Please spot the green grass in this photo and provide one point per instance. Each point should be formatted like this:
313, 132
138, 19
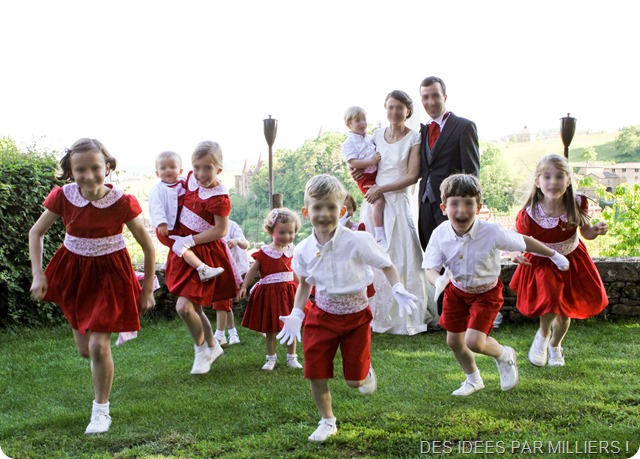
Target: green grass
159, 410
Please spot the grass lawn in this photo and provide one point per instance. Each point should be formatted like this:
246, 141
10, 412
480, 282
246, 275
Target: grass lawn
160, 411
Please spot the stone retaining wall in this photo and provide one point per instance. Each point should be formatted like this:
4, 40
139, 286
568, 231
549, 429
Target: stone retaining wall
621, 277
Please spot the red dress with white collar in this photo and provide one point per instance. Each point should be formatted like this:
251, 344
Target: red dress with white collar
91, 276
197, 215
542, 288
273, 295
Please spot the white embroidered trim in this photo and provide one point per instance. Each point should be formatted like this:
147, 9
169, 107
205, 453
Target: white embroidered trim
342, 304
72, 193
563, 247
193, 221
475, 290
94, 247
206, 193
275, 253
275, 278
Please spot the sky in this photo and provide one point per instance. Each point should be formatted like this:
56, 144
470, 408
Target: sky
146, 76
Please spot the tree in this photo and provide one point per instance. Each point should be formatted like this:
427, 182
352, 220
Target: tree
628, 142
589, 154
498, 188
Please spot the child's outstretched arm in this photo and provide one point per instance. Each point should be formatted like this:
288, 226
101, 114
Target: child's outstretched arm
248, 278
539, 248
406, 300
293, 322
36, 241
146, 299
590, 232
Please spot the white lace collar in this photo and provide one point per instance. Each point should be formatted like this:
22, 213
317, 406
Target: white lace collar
72, 193
542, 219
206, 193
275, 253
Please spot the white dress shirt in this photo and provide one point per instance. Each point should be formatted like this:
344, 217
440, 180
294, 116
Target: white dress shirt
473, 259
239, 254
163, 204
343, 265
360, 147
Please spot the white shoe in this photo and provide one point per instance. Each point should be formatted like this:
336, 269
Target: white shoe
468, 388
100, 423
508, 370
221, 339
203, 360
207, 273
556, 356
538, 350
234, 339
370, 384
292, 361
325, 430
271, 363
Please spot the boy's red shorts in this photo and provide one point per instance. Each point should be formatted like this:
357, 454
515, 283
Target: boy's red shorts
367, 181
325, 332
461, 310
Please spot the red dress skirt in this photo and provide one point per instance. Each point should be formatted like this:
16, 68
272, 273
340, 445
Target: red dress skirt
95, 292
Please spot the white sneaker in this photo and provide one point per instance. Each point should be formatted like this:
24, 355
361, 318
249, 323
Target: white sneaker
207, 273
538, 350
468, 388
508, 370
271, 363
203, 360
382, 242
221, 339
325, 430
100, 423
292, 361
370, 384
234, 339
556, 356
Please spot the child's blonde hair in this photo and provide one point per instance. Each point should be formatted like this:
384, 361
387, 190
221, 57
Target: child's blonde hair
210, 149
462, 186
324, 186
352, 113
281, 215
82, 146
168, 155
576, 216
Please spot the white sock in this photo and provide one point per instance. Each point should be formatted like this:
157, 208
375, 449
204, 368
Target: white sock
202, 348
331, 421
233, 331
219, 334
201, 267
474, 377
100, 407
379, 232
272, 357
292, 356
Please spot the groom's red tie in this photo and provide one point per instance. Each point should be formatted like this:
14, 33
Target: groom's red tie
434, 131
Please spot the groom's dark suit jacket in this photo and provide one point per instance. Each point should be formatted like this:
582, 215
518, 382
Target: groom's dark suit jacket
456, 150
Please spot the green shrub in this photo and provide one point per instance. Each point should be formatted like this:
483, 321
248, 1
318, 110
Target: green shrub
25, 181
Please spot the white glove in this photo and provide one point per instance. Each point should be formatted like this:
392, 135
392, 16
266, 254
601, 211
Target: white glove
560, 261
441, 284
292, 324
344, 219
406, 300
182, 244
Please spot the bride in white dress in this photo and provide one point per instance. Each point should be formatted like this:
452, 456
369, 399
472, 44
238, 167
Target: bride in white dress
398, 170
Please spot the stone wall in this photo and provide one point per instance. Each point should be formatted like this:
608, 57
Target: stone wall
621, 277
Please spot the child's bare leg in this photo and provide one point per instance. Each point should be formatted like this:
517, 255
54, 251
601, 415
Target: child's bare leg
560, 327
378, 213
270, 340
192, 259
221, 321
291, 348
102, 368
464, 356
322, 397
82, 343
231, 323
186, 310
546, 324
207, 330
478, 342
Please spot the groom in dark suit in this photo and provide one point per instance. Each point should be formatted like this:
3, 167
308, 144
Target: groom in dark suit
449, 145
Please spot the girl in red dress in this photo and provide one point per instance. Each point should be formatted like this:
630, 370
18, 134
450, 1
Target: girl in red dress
273, 295
552, 215
91, 276
203, 219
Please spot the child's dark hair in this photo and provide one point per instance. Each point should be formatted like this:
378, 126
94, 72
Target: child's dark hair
576, 216
350, 201
82, 146
281, 215
461, 185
